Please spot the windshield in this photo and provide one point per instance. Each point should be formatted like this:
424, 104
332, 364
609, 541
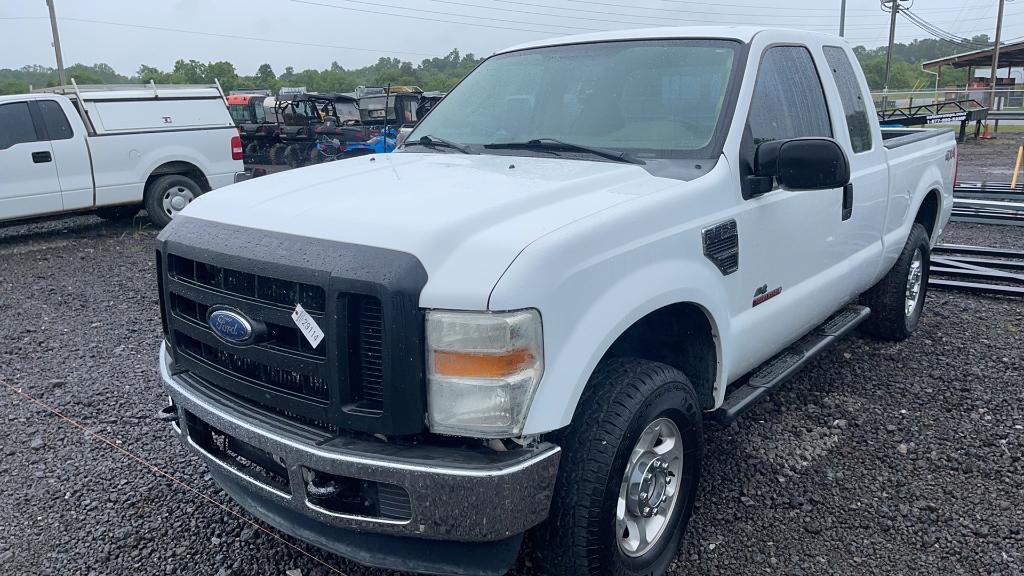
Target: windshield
652, 99
346, 110
240, 113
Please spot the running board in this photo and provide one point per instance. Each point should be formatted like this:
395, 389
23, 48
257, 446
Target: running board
785, 364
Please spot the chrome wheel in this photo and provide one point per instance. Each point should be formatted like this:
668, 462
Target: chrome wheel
914, 281
176, 198
650, 488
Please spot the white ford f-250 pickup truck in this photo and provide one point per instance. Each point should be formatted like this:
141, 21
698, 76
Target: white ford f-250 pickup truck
521, 319
113, 150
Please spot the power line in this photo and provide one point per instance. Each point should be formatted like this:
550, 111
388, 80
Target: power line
659, 19
939, 32
826, 12
218, 35
745, 15
574, 17
801, 10
426, 19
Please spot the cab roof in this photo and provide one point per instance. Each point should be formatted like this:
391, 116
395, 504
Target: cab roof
243, 98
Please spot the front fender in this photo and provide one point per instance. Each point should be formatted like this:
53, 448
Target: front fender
589, 306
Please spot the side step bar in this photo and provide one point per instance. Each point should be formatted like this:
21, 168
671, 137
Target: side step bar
785, 364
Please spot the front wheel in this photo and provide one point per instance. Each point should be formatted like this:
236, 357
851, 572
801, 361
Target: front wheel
897, 300
628, 479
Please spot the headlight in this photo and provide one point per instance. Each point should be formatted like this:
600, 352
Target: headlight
482, 371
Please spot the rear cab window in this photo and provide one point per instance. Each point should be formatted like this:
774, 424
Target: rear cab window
850, 93
57, 125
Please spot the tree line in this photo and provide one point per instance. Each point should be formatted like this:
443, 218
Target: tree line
439, 73
430, 74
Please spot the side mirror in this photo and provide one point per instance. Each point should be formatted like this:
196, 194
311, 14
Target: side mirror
801, 164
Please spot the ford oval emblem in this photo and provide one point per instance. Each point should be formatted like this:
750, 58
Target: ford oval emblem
231, 326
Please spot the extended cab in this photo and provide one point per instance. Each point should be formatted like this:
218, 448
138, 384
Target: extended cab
521, 319
113, 150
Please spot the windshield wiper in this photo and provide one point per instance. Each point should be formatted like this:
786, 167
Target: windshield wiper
435, 142
550, 144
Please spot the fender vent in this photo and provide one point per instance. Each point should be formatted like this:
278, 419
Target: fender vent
722, 246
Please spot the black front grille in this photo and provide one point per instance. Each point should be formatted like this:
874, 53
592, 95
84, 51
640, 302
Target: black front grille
280, 379
366, 375
278, 335
263, 288
367, 337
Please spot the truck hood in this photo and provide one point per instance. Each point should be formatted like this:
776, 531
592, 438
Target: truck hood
465, 217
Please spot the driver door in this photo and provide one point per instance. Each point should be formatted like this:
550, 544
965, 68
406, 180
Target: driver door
29, 185
787, 238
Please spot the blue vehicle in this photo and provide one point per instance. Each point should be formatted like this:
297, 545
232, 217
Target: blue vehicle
380, 144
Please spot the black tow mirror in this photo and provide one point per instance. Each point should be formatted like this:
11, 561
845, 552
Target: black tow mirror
801, 164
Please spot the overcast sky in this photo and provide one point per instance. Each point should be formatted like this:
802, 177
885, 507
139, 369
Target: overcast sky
313, 33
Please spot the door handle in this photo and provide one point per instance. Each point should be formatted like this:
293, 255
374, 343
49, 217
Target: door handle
41, 157
848, 201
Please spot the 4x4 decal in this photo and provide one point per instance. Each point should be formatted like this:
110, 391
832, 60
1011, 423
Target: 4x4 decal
763, 294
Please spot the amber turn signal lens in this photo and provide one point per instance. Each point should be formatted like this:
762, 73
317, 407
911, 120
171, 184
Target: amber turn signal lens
476, 365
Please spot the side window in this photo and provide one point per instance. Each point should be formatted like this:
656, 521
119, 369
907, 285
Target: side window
788, 100
853, 98
17, 125
57, 125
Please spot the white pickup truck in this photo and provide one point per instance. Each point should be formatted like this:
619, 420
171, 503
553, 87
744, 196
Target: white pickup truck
521, 320
113, 150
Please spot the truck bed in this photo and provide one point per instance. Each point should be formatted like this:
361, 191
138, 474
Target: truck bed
896, 137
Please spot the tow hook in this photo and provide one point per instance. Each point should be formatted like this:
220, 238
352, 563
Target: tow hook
168, 414
319, 489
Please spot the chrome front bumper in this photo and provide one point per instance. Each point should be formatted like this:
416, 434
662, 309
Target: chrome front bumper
455, 494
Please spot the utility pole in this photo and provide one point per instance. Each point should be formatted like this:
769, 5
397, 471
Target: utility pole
842, 19
894, 8
56, 43
995, 56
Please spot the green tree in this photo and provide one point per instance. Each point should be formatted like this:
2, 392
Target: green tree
146, 74
190, 72
223, 72
13, 87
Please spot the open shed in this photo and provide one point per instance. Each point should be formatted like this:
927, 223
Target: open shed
1010, 56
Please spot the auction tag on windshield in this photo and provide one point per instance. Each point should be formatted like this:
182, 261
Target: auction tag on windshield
307, 325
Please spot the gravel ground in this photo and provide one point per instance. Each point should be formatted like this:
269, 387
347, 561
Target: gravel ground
990, 160
879, 458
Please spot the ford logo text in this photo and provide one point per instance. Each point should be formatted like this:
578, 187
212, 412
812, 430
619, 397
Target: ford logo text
231, 326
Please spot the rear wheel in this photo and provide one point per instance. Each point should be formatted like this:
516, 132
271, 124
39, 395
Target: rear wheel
630, 467
294, 156
897, 301
276, 154
168, 195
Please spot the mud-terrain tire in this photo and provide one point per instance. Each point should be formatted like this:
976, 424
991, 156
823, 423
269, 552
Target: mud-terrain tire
276, 154
295, 156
